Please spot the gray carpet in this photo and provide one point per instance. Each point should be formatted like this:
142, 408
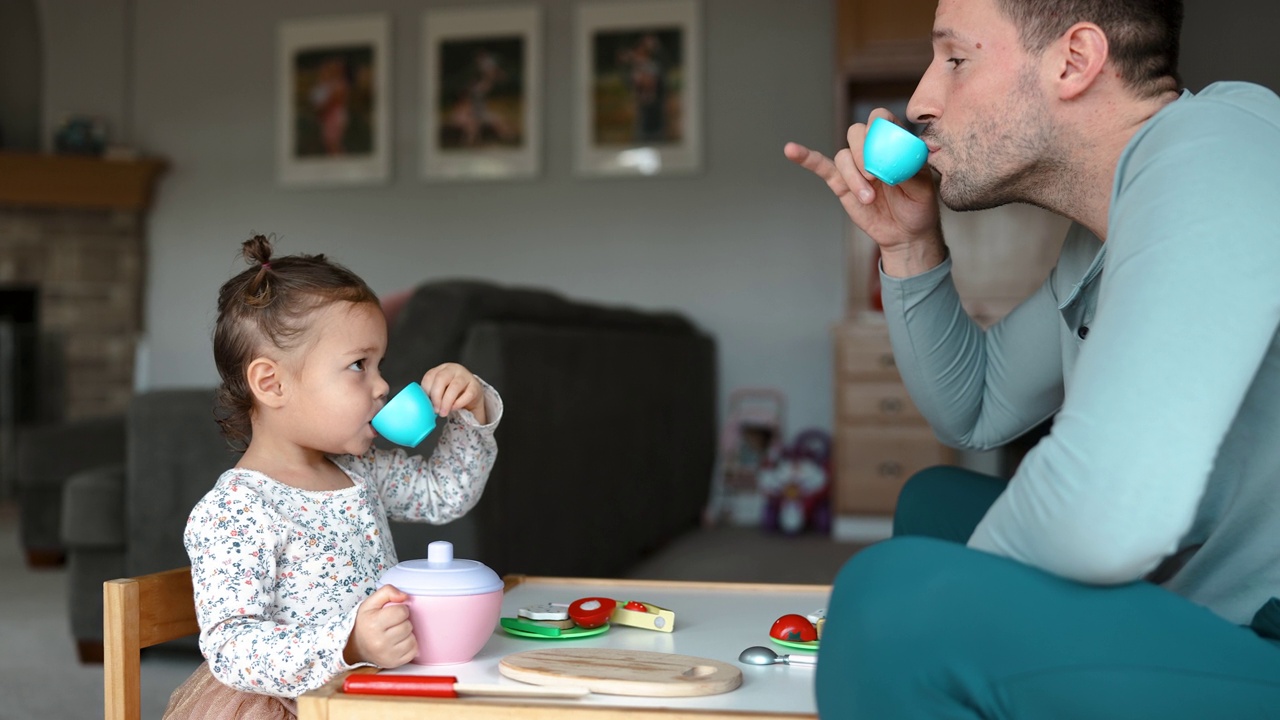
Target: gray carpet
738, 554
41, 679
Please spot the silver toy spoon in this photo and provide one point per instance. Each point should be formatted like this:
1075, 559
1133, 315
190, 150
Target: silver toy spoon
759, 655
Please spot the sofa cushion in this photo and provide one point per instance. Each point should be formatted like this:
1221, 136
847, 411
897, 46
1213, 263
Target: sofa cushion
175, 454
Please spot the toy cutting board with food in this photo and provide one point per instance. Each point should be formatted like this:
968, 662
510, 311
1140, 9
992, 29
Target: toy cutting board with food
623, 672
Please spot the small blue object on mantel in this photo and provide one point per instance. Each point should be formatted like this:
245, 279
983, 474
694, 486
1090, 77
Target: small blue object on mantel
81, 135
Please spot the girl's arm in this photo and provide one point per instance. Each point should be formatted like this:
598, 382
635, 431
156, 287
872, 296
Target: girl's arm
251, 641
447, 484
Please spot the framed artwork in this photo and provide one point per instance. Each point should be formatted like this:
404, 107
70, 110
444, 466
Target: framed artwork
639, 99
482, 93
333, 125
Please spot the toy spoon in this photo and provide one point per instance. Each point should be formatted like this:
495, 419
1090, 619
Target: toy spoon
759, 655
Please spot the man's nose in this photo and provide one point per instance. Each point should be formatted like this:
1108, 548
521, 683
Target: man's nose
924, 105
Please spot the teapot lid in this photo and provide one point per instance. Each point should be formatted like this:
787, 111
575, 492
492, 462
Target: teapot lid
441, 574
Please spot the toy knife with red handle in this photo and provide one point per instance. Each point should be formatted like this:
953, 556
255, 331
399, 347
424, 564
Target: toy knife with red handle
448, 686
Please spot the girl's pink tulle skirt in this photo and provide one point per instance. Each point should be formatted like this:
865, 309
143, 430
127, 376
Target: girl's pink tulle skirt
202, 697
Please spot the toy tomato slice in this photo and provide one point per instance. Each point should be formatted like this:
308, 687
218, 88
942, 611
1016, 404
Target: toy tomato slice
591, 612
795, 628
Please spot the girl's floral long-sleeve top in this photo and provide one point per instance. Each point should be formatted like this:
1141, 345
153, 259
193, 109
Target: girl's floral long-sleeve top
279, 572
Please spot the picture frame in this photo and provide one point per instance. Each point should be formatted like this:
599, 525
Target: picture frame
334, 101
481, 93
639, 94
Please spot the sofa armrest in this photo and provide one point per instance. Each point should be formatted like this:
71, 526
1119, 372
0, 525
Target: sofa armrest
46, 456
93, 509
49, 454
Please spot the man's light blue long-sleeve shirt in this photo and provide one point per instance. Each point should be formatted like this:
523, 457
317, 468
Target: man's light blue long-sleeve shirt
1156, 354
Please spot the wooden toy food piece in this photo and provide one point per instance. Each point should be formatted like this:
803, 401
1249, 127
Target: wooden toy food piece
819, 619
795, 628
591, 612
644, 615
545, 611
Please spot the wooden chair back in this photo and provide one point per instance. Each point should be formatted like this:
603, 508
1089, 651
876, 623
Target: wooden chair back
140, 612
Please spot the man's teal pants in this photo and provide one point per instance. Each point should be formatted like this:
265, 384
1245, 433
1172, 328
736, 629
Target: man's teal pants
920, 626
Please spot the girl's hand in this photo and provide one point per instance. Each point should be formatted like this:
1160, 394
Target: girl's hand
382, 634
451, 386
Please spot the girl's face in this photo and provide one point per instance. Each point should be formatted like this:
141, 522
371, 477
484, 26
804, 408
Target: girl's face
337, 388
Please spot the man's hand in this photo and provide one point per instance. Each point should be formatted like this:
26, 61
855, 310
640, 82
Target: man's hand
451, 386
902, 219
382, 634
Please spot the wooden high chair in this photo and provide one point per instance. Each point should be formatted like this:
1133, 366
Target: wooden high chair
136, 613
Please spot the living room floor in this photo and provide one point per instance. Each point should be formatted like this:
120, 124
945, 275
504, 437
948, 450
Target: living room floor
40, 678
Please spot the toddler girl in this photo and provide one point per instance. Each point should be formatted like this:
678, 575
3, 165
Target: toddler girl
287, 547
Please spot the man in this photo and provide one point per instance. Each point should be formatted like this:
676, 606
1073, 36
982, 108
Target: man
1128, 568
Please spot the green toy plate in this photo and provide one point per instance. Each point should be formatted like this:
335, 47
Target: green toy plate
811, 645
573, 633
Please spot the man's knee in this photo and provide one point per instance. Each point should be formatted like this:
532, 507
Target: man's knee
884, 620
944, 502
886, 589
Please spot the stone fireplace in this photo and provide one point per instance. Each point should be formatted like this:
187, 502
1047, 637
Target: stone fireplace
72, 233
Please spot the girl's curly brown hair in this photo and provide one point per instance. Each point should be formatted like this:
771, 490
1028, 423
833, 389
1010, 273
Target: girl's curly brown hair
269, 305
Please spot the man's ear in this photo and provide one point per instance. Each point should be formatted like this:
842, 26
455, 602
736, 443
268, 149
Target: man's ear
1082, 54
266, 382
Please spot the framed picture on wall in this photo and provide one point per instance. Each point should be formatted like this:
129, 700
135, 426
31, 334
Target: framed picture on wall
639, 95
333, 93
482, 93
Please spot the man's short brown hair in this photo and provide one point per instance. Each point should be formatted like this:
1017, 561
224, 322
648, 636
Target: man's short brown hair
1142, 35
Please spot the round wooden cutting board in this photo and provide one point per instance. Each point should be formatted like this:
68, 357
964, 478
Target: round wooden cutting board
623, 672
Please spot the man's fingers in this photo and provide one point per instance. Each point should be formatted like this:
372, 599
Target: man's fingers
820, 165
852, 177
811, 160
795, 152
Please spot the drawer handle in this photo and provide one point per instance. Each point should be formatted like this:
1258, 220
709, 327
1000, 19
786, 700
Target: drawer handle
889, 469
890, 405
886, 360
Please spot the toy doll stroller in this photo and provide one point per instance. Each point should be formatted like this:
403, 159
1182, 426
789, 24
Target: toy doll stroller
752, 434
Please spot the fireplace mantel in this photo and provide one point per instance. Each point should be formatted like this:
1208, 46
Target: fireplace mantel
72, 181
75, 228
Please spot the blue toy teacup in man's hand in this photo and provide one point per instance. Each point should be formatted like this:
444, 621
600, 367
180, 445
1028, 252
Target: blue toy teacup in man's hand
892, 153
408, 418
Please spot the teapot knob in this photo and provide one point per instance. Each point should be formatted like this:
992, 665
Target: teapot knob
440, 552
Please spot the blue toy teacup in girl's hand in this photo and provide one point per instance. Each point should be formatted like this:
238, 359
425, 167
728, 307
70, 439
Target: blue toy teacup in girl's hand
891, 153
408, 418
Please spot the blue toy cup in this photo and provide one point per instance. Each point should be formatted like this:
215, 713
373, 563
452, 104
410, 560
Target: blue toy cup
892, 153
408, 418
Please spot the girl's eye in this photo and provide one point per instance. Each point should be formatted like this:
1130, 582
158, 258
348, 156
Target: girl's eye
955, 62
357, 365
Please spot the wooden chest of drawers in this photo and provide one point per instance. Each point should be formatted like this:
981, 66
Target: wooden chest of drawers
881, 438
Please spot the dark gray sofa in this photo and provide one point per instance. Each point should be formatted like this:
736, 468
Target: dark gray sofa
605, 451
